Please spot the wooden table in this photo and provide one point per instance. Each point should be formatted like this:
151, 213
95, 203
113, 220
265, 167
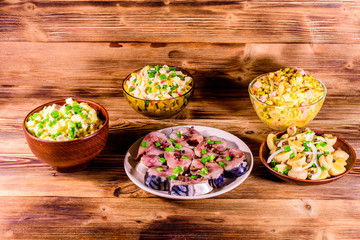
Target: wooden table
56, 49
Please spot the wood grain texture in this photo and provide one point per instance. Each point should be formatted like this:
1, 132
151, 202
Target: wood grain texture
231, 219
181, 21
97, 69
56, 49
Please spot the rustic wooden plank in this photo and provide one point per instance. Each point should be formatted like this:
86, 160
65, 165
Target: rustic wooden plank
181, 21
24, 175
97, 69
109, 218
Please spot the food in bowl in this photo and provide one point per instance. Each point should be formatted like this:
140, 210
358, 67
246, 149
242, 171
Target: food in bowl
70, 121
303, 154
186, 163
287, 97
158, 91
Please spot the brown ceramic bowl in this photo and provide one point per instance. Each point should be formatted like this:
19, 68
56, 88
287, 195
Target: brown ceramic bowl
340, 143
73, 155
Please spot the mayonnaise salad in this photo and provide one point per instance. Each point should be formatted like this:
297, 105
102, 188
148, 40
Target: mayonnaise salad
291, 87
61, 123
158, 83
306, 155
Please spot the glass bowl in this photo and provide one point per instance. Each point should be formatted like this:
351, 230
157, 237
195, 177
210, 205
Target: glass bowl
282, 117
159, 109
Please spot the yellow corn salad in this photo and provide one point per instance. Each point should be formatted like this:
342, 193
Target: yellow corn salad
158, 83
291, 87
61, 123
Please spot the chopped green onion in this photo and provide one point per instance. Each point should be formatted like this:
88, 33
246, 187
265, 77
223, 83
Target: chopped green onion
205, 159
181, 77
173, 74
221, 164
158, 86
286, 171
184, 157
41, 126
58, 134
274, 163
135, 80
78, 125
228, 158
72, 124
319, 155
178, 146
210, 141
327, 153
77, 109
151, 75
306, 142
164, 87
179, 134
212, 157
178, 169
275, 168
307, 148
39, 134
173, 177
150, 82
287, 149
163, 160
131, 89
206, 170
54, 122
193, 177
157, 144
50, 124
203, 151
318, 145
310, 132
144, 144
202, 173
169, 149
217, 142
323, 168
171, 140
149, 90
75, 103
172, 69
163, 77
159, 169
147, 102
314, 165
157, 67
323, 144
55, 114
68, 107
292, 155
172, 88
68, 112
277, 139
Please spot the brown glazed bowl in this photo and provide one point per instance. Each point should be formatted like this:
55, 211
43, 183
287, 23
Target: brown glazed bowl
73, 155
340, 143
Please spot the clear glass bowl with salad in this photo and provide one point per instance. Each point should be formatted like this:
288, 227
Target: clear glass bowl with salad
287, 97
158, 91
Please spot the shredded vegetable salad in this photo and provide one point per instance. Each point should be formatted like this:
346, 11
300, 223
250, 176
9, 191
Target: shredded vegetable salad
158, 83
306, 155
61, 123
291, 87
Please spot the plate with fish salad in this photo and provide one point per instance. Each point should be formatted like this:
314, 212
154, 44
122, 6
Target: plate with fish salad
70, 121
158, 83
303, 154
188, 162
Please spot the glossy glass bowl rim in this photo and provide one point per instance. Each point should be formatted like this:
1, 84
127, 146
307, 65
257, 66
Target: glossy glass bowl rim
286, 107
159, 100
73, 140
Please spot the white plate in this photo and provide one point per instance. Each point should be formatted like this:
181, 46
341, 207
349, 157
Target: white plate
229, 184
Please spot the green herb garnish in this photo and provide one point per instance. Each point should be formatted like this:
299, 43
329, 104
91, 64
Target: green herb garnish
228, 158
287, 149
203, 151
184, 157
221, 164
173, 177
193, 177
286, 171
39, 134
169, 149
171, 140
179, 134
162, 160
205, 159
131, 89
144, 144
210, 141
157, 144
292, 155
323, 168
159, 169
55, 114
173, 74
178, 146
177, 170
162, 77
217, 142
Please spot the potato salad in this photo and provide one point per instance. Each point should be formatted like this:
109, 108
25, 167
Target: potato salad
306, 155
71, 121
158, 82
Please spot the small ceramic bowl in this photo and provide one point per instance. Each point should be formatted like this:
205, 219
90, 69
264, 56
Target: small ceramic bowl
73, 155
340, 143
159, 109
